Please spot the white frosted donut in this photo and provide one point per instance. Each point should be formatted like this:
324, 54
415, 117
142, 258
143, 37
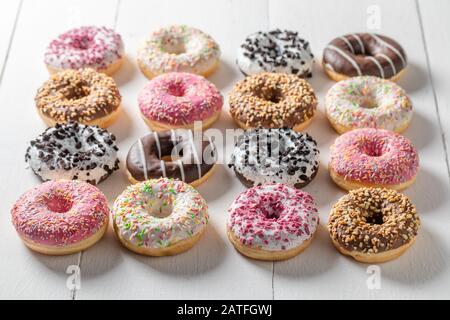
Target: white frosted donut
368, 102
272, 221
178, 48
275, 51
94, 47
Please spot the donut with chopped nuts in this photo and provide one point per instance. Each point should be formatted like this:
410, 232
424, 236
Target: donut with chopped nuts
373, 224
275, 155
94, 47
275, 51
273, 100
272, 222
73, 151
85, 96
373, 158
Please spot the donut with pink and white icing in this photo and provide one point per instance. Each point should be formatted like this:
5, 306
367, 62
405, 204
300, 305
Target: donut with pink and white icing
272, 221
178, 100
61, 216
373, 158
100, 48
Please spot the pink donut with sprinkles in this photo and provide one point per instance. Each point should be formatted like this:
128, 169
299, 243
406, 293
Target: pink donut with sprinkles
99, 48
179, 100
373, 158
272, 222
61, 216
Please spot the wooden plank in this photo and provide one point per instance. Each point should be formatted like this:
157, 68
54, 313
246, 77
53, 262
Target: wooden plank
31, 275
423, 272
8, 18
212, 269
434, 22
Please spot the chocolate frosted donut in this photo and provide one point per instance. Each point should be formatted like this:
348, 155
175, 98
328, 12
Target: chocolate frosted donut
151, 157
85, 96
75, 152
272, 100
275, 155
363, 54
275, 51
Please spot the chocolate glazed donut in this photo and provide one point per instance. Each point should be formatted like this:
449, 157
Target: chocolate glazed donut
363, 54
150, 157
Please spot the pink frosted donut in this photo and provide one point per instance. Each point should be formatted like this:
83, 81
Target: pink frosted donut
272, 221
178, 99
61, 216
373, 158
99, 48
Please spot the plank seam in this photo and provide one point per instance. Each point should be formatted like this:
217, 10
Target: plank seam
430, 77
116, 16
11, 38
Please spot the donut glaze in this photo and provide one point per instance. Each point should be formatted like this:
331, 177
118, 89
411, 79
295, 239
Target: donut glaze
145, 158
275, 155
178, 48
368, 102
273, 217
374, 156
275, 51
60, 213
75, 152
272, 100
364, 54
159, 213
373, 221
85, 47
179, 99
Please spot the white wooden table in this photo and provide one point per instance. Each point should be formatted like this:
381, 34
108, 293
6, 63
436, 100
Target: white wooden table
213, 269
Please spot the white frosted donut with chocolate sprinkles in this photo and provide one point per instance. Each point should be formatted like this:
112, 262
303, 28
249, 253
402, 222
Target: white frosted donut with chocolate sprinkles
272, 222
275, 51
73, 151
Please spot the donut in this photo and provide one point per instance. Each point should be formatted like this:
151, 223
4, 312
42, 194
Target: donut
275, 51
160, 217
272, 222
365, 54
373, 158
373, 224
85, 96
172, 154
73, 151
61, 217
263, 156
94, 47
272, 100
368, 102
177, 100
178, 48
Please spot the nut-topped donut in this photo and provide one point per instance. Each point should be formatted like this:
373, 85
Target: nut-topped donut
151, 157
275, 155
275, 51
178, 48
94, 47
273, 100
373, 224
85, 96
361, 54
73, 151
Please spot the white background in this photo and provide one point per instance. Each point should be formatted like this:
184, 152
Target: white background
213, 269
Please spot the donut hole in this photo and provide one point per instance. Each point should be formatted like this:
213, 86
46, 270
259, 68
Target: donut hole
58, 203
374, 218
270, 209
272, 95
81, 42
76, 92
368, 102
160, 207
176, 90
372, 149
173, 45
